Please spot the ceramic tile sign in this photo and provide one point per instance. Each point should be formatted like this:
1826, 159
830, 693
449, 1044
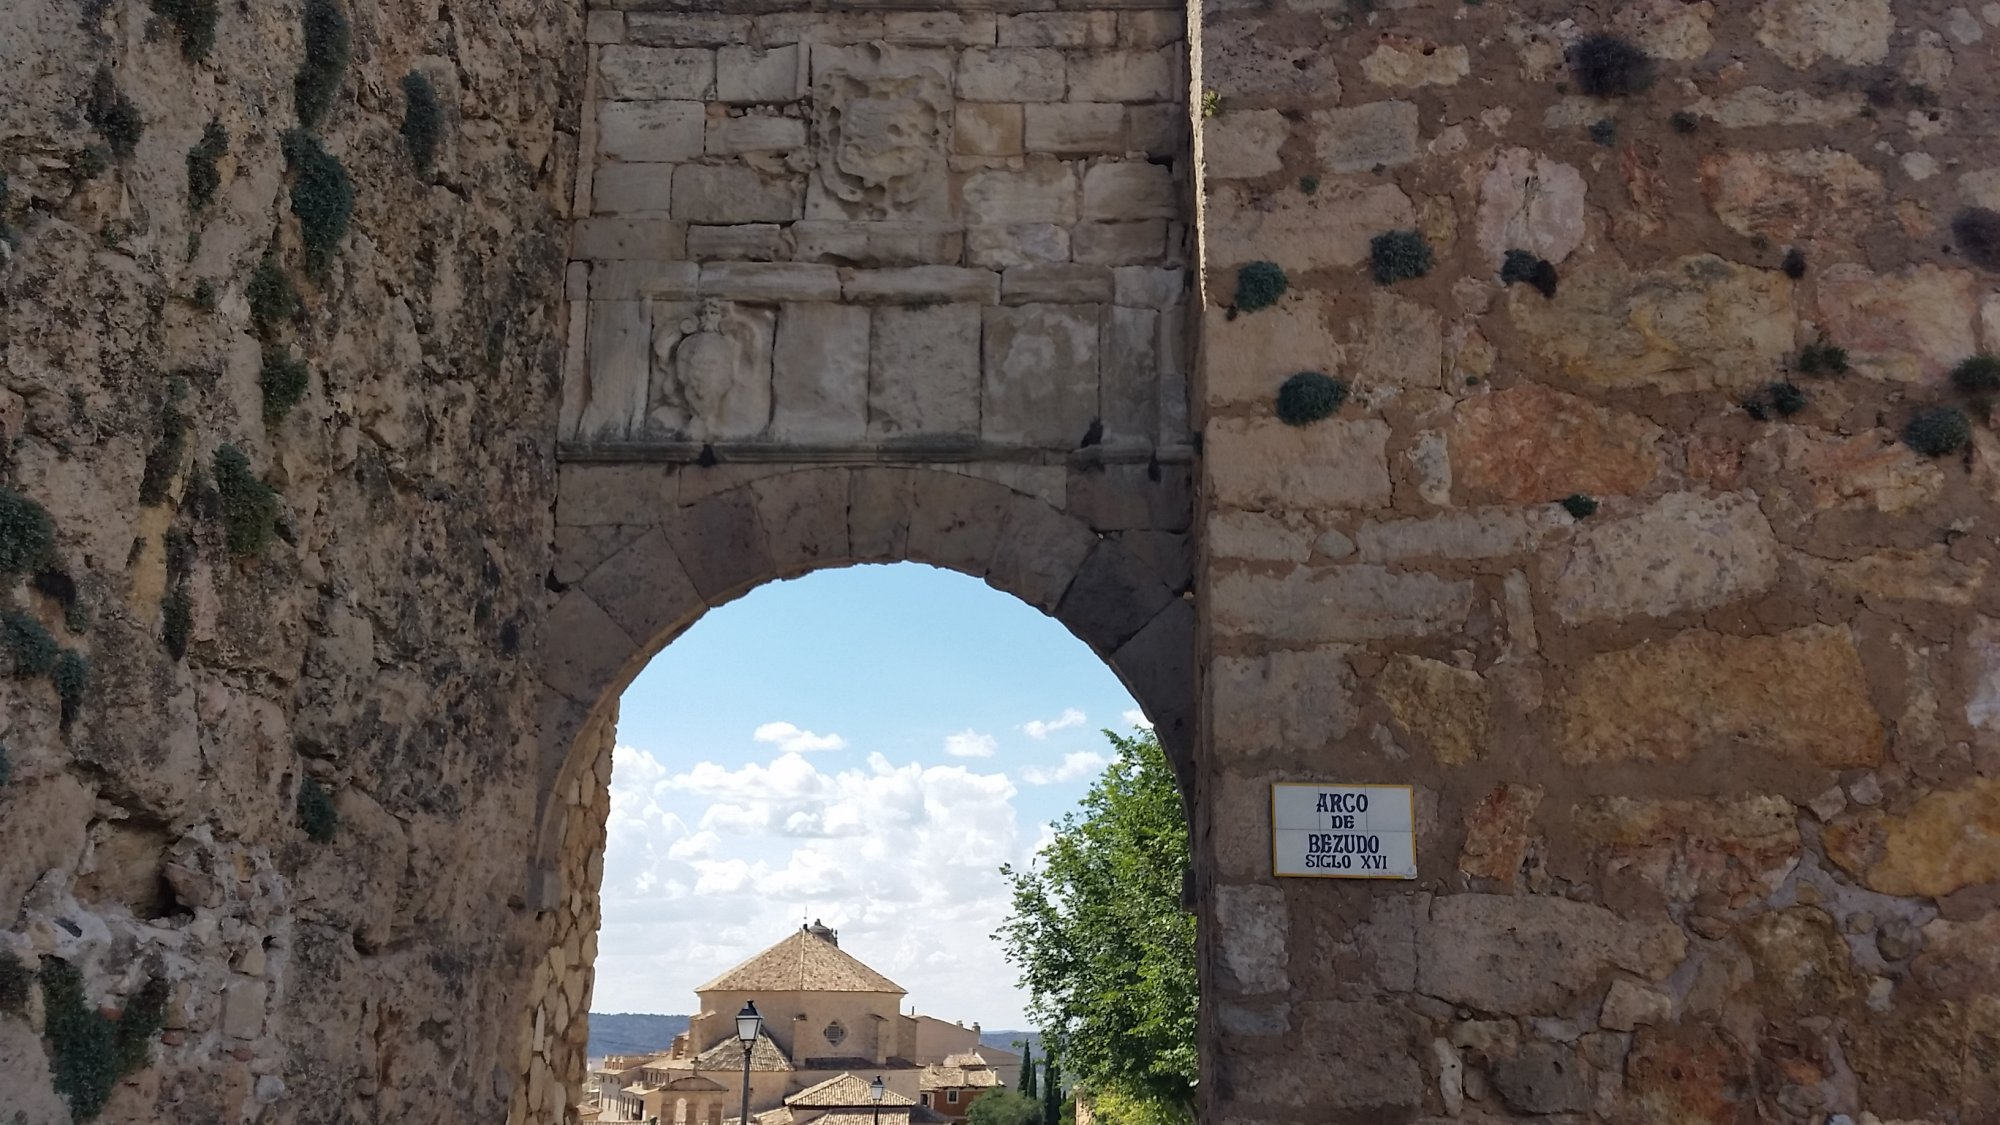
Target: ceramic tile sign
1326, 831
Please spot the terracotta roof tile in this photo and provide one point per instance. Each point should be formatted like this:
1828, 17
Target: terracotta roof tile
728, 1054
803, 962
844, 1092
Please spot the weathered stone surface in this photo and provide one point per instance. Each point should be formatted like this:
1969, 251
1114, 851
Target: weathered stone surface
1244, 144
1475, 534
1291, 699
1244, 58
1871, 470
1401, 61
1740, 849
1753, 107
1329, 229
1905, 326
1358, 1059
1669, 29
1530, 443
1251, 356
1443, 708
924, 370
1040, 385
749, 75
1543, 1078
1039, 553
1802, 32
1785, 195
1401, 344
819, 373
1259, 537
1947, 840
735, 194
1629, 1006
1799, 695
654, 130
1127, 76
1044, 192
1688, 1075
1524, 955
629, 73
1337, 604
1252, 924
642, 237
1799, 958
1075, 128
1263, 463
1695, 324
1366, 137
1685, 552
1011, 74
987, 130
1130, 190
644, 589
1928, 575
1497, 833
1530, 202
754, 132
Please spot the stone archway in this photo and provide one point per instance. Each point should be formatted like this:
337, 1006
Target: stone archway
644, 550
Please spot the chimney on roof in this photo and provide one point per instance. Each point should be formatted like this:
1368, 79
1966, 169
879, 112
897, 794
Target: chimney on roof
823, 932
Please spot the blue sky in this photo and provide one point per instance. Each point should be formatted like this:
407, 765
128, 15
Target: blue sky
865, 746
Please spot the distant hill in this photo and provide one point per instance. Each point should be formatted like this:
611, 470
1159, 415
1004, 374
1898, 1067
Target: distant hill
630, 1033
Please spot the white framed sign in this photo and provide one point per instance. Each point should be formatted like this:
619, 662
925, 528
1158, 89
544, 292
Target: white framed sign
1329, 831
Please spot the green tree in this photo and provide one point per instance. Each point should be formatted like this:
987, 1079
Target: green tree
1003, 1107
1104, 948
1027, 1082
1052, 1097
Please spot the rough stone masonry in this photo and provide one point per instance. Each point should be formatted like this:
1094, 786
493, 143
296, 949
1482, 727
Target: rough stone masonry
381, 385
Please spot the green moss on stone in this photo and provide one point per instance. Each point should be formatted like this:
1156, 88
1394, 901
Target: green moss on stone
423, 119
328, 41
27, 534
322, 198
204, 295
317, 815
1259, 285
203, 176
6, 774
193, 22
176, 621
1399, 255
114, 115
1822, 358
1786, 399
1938, 431
273, 298
71, 675
1309, 396
1530, 269
163, 461
1979, 375
1606, 66
284, 381
28, 642
89, 1052
249, 506
14, 976
1579, 506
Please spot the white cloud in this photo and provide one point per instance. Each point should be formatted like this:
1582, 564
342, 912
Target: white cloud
793, 740
969, 743
709, 864
1083, 763
1137, 718
1039, 729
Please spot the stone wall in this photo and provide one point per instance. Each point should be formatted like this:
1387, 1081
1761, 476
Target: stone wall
1706, 760
366, 649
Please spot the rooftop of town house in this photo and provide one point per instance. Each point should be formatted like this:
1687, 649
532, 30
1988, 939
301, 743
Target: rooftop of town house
809, 960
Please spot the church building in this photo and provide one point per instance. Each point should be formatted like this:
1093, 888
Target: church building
832, 1025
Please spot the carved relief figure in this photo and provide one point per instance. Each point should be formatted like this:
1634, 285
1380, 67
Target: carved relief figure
711, 370
883, 114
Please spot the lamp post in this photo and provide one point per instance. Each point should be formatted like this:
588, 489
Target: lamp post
875, 1091
748, 1023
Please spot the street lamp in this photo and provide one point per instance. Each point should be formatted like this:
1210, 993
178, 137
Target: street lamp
748, 1023
875, 1091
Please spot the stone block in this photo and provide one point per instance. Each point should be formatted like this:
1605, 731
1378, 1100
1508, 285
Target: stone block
1529, 443
820, 373
924, 371
1347, 1061
956, 521
805, 519
650, 131
243, 1008
1908, 326
1059, 29
1127, 76
940, 29
1119, 244
1260, 536
1158, 130
1330, 229
1244, 144
884, 243
1440, 706
720, 543
622, 188
749, 75
1524, 956
735, 194
1402, 344
1115, 594
922, 285
1043, 192
1482, 533
686, 29
1129, 379
590, 495
1011, 74
644, 590
1039, 553
1040, 385
1155, 28
1261, 463
1298, 700
1498, 832
1685, 552
1252, 923
586, 651
1016, 244
1944, 842
636, 278
1059, 283
1076, 128
604, 27
770, 282
1257, 68
631, 73
621, 341
878, 513
1133, 497
1628, 1006
1149, 287
611, 237
1337, 604
1130, 189
754, 132
831, 27
987, 129
1798, 696
1365, 137
746, 242
1249, 356
1543, 1078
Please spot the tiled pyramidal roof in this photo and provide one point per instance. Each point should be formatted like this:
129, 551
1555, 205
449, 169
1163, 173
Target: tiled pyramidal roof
727, 1054
803, 962
844, 1092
